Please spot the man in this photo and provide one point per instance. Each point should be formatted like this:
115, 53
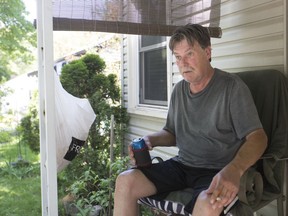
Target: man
213, 121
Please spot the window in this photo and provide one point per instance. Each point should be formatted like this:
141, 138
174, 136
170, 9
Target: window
153, 70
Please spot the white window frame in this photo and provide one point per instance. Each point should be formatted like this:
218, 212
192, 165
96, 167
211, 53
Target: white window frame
142, 51
134, 106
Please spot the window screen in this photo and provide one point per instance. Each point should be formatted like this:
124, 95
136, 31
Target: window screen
153, 70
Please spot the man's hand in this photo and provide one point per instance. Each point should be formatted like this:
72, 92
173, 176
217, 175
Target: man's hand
148, 142
224, 186
130, 151
131, 154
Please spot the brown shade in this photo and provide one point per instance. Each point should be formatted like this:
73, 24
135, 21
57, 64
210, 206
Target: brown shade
141, 17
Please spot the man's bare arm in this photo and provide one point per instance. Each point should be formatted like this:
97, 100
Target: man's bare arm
161, 138
250, 151
226, 183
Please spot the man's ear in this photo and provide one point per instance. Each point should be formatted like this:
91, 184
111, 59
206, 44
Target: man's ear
208, 51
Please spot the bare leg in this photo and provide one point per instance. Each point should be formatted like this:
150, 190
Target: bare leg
130, 186
204, 208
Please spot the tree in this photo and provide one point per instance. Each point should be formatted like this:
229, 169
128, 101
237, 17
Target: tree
18, 36
29, 127
85, 78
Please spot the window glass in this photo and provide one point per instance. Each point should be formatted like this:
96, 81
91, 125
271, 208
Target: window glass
147, 40
153, 70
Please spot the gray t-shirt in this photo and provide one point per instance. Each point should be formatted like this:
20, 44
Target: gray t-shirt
211, 125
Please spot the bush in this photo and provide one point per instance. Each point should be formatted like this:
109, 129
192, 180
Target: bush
5, 136
29, 127
88, 176
91, 189
20, 169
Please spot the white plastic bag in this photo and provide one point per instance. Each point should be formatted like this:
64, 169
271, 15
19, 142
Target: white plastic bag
74, 117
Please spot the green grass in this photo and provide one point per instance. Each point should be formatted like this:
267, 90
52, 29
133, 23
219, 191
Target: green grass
20, 196
20, 188
10, 152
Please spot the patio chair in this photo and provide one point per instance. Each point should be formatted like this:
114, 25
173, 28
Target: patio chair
264, 182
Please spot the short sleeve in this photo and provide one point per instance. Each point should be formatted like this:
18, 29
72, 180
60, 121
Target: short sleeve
243, 111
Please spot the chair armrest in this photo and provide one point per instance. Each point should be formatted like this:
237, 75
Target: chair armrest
272, 156
159, 159
251, 187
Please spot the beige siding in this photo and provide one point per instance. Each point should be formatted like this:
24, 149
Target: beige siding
253, 36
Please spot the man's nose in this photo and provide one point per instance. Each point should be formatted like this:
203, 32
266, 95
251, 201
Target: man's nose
184, 61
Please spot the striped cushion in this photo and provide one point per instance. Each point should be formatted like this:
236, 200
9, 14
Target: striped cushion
165, 205
173, 204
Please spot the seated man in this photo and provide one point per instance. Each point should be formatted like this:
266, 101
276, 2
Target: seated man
213, 121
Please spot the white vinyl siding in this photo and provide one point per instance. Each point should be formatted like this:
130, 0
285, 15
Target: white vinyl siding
253, 36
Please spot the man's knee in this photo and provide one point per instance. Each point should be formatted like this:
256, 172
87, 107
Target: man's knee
135, 183
125, 179
203, 206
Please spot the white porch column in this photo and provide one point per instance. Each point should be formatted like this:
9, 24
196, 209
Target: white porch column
47, 108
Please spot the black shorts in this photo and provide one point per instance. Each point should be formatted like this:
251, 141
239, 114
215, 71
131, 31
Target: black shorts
171, 175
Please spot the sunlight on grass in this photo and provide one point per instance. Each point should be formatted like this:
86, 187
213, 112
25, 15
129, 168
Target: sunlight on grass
11, 152
20, 188
20, 197
3, 190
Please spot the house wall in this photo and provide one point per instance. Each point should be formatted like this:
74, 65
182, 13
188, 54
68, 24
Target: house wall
254, 38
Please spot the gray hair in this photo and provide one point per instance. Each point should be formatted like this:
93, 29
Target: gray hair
192, 33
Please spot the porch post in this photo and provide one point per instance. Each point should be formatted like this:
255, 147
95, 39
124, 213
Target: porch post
46, 109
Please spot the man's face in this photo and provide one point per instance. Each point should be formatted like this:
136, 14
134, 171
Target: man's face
192, 61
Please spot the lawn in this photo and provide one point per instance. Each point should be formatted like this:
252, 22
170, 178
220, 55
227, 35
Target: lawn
20, 196
10, 152
20, 187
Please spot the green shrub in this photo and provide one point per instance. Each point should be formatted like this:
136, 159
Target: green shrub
29, 127
88, 176
90, 190
5, 136
20, 169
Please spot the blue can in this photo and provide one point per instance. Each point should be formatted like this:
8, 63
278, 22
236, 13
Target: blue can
138, 144
141, 153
